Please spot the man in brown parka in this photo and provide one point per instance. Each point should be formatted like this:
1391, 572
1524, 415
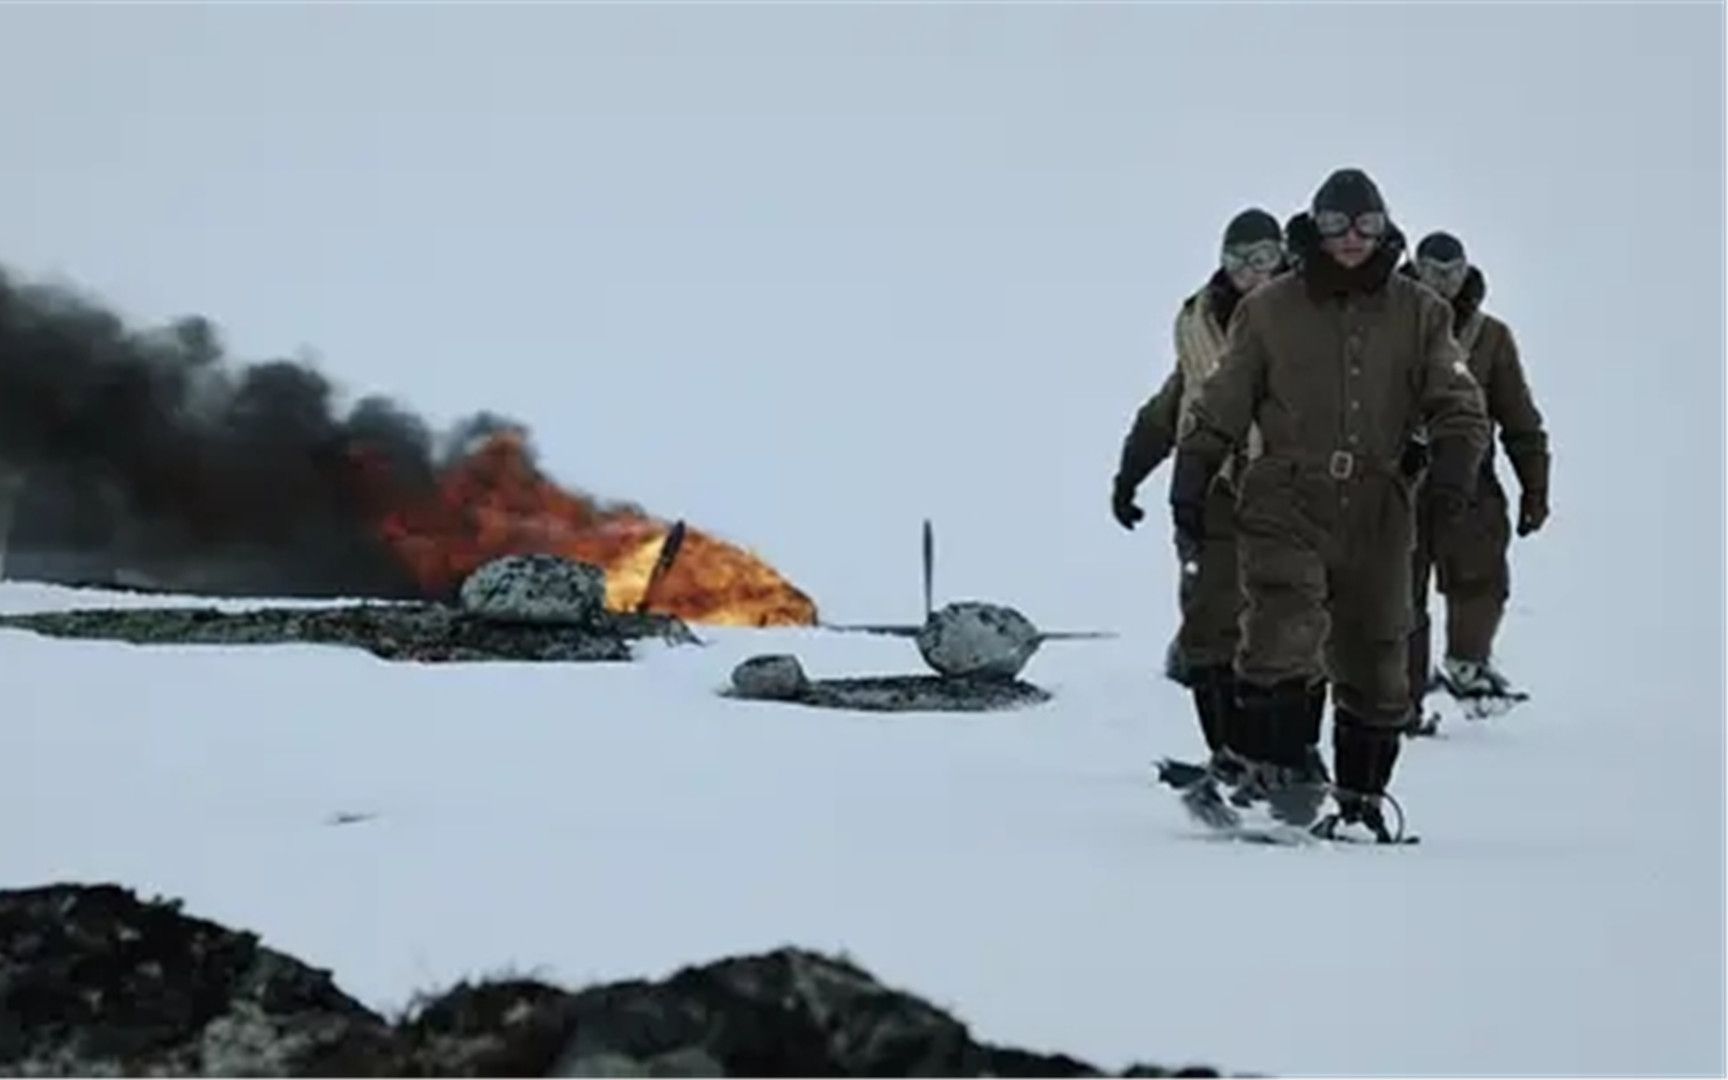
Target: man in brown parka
1337, 364
1473, 574
1210, 596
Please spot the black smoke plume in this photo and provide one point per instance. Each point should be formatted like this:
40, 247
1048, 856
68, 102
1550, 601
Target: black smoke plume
149, 457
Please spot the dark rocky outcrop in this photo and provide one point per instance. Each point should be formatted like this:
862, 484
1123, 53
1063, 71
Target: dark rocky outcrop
96, 982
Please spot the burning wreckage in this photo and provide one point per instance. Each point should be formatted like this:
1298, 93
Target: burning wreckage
500, 564
145, 461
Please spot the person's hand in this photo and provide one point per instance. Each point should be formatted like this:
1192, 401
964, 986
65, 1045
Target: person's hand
1532, 511
1127, 513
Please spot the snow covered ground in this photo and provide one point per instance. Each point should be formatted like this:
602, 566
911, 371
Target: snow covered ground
591, 822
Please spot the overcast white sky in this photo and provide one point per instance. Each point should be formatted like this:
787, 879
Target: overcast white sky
806, 274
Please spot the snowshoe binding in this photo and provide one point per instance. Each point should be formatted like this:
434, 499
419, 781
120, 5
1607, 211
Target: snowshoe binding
1250, 801
1360, 819
1292, 795
1479, 688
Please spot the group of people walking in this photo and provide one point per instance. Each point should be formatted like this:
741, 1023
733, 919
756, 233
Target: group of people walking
1330, 416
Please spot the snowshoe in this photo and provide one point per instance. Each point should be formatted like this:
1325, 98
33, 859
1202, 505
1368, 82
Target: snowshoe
1271, 805
1359, 819
1224, 767
1294, 796
1199, 787
1206, 805
1179, 774
1481, 690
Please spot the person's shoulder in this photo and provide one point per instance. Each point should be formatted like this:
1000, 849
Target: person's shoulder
1410, 290
1495, 338
1193, 306
1402, 283
1495, 325
1282, 290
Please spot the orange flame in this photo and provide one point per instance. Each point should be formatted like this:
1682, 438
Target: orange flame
494, 502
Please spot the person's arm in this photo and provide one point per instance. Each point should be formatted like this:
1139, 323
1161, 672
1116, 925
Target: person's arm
1153, 435
1511, 405
1453, 410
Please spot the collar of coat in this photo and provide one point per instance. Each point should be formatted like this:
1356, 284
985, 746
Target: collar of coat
1323, 275
1469, 299
1221, 297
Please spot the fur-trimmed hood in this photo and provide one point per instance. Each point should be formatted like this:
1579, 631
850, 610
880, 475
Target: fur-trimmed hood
1324, 276
1469, 298
1221, 296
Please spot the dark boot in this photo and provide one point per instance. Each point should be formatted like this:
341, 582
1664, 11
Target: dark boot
1418, 662
1316, 712
1253, 716
1214, 691
1363, 755
1363, 758
1271, 732
1354, 809
1260, 728
1311, 735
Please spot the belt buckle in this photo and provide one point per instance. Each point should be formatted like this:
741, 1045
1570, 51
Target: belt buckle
1341, 465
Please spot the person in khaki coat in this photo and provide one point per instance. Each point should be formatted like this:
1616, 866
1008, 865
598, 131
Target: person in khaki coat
1473, 575
1210, 595
1337, 365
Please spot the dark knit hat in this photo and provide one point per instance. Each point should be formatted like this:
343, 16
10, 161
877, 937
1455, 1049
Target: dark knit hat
1441, 247
1349, 191
1251, 225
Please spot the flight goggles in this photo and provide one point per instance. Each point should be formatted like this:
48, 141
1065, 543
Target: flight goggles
1370, 224
1255, 255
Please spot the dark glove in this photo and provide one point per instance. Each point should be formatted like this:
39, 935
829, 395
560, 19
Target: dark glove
1451, 476
1123, 507
1414, 458
1451, 480
1532, 511
1532, 470
1188, 498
